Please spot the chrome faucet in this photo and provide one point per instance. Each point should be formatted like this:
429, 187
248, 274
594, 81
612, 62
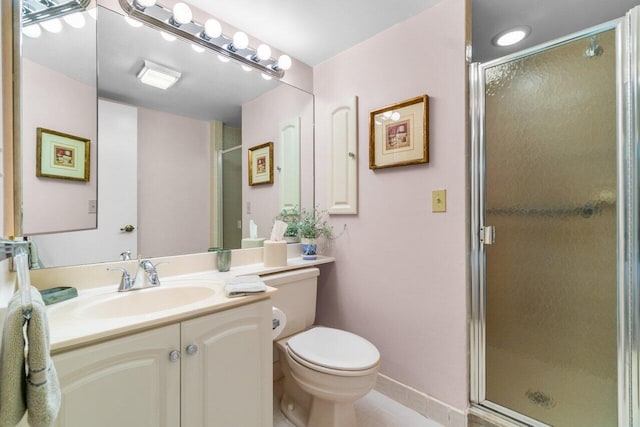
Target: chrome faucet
146, 276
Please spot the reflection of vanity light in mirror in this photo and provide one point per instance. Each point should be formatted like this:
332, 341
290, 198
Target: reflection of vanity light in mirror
35, 11
157, 75
179, 22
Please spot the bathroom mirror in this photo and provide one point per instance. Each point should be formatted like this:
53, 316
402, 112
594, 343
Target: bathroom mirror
172, 164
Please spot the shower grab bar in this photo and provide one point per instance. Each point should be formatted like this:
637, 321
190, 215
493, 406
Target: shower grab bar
586, 211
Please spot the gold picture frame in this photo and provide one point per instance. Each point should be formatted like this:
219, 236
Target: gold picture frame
261, 164
399, 134
62, 156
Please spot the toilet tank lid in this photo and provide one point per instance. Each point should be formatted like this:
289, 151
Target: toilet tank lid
334, 349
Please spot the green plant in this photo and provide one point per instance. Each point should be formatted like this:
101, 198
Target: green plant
291, 217
313, 224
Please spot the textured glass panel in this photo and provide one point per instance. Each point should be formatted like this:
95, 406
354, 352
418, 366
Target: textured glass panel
551, 274
232, 199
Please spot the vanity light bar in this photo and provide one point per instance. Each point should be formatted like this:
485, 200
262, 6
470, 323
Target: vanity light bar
35, 11
163, 19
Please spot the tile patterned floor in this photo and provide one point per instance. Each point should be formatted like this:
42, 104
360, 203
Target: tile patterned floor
374, 410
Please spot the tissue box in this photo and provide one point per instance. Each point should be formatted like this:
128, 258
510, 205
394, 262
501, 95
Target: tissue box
275, 253
252, 243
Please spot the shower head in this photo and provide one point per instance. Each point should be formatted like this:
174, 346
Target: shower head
594, 48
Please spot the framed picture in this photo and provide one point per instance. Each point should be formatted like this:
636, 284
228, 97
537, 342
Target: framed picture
399, 134
261, 164
63, 156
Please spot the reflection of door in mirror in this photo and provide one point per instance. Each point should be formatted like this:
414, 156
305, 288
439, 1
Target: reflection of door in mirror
231, 187
58, 93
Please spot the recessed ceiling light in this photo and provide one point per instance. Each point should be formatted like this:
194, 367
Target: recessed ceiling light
157, 75
511, 36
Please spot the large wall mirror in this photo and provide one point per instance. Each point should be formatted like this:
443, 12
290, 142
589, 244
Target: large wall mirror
164, 172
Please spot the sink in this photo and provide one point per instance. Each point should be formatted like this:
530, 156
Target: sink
142, 302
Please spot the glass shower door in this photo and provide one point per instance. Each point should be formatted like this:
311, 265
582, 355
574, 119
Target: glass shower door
550, 345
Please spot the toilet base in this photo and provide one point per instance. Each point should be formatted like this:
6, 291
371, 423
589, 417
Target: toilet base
321, 414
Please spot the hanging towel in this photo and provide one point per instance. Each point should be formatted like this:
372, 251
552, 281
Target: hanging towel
244, 285
38, 392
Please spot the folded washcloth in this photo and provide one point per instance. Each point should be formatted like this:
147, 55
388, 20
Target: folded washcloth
244, 285
38, 391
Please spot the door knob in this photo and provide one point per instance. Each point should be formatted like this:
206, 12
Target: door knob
192, 349
174, 356
128, 228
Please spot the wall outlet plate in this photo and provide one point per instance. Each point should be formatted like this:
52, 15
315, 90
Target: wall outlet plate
439, 201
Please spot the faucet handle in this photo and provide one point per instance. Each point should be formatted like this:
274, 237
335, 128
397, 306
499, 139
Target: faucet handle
125, 280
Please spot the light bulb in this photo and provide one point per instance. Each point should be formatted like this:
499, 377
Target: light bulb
240, 40
146, 3
212, 29
395, 116
197, 48
168, 37
133, 22
75, 20
52, 25
263, 52
266, 76
34, 31
182, 13
223, 58
93, 12
284, 62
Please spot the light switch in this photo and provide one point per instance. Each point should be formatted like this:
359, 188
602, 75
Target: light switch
439, 201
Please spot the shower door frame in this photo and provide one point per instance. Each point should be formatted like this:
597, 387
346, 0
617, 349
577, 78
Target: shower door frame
628, 292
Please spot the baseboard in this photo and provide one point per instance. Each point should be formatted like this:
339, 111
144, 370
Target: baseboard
422, 403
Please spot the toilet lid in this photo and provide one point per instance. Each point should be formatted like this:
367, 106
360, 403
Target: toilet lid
334, 349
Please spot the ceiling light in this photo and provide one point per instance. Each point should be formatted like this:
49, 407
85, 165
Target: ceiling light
34, 31
181, 15
197, 48
75, 20
284, 63
212, 29
52, 25
511, 36
157, 75
133, 22
168, 37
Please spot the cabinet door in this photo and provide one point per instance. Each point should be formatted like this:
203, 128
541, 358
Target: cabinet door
228, 380
123, 382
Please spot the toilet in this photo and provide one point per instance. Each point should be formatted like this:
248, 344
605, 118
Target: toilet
325, 369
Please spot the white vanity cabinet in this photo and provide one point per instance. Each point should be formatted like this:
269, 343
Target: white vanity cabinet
220, 375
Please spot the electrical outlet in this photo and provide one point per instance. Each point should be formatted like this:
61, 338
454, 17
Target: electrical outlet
93, 206
439, 201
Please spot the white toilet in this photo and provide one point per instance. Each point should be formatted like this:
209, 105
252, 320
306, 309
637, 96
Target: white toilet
325, 370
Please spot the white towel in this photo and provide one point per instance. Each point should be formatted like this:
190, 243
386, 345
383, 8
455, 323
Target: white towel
244, 285
38, 392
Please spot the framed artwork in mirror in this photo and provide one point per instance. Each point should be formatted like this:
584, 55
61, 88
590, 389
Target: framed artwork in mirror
261, 164
62, 156
399, 134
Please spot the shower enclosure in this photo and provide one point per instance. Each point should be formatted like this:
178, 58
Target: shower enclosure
554, 236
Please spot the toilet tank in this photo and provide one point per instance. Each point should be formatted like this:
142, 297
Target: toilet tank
296, 297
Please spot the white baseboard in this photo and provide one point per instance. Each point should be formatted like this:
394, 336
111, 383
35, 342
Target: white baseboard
422, 403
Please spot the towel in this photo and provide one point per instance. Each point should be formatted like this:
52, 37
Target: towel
33, 387
244, 285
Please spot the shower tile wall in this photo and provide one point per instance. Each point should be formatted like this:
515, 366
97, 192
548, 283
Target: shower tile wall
551, 275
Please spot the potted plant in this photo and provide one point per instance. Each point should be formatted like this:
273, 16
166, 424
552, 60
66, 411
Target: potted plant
291, 217
312, 226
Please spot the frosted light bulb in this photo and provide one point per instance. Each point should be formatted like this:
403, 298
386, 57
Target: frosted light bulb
212, 29
133, 22
263, 52
182, 13
284, 62
52, 25
168, 37
75, 20
266, 76
223, 58
240, 40
197, 48
34, 31
146, 3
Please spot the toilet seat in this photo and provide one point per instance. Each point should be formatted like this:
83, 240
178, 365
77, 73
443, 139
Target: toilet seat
333, 351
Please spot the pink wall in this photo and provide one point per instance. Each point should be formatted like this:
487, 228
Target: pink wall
261, 118
54, 101
173, 184
400, 276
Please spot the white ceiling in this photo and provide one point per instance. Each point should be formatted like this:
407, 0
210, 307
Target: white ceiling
312, 31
